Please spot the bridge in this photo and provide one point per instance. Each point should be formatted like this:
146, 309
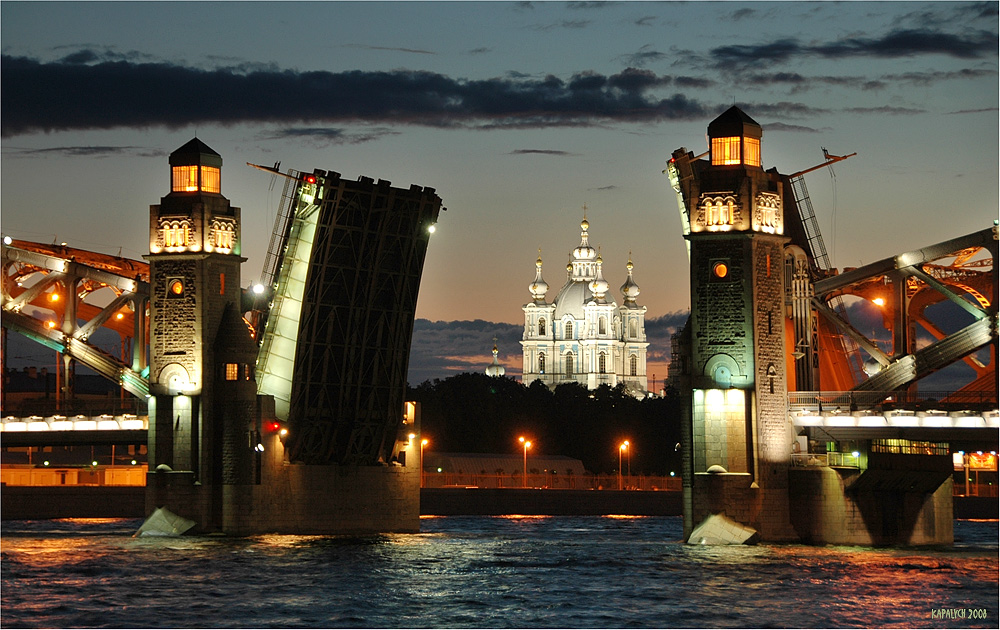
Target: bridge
250, 393
783, 387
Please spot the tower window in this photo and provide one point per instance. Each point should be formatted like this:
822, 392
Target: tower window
185, 179
175, 288
602, 326
751, 151
633, 365
725, 151
541, 363
232, 371
541, 327
569, 364
633, 329
602, 363
569, 330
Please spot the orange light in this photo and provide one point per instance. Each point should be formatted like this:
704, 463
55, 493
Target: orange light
424, 442
119, 316
50, 324
177, 287
720, 270
53, 297
879, 301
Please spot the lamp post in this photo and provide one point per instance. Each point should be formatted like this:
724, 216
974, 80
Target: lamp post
423, 443
527, 445
621, 449
628, 458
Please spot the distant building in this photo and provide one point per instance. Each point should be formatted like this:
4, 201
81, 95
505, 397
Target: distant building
495, 369
582, 335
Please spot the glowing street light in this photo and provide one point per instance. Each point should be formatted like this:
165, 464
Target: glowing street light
527, 445
621, 449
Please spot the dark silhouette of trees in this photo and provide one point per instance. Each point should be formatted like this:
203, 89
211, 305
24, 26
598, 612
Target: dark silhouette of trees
475, 413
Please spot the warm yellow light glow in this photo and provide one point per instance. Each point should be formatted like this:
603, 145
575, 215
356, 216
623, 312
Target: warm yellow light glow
720, 270
50, 324
53, 297
751, 151
879, 301
119, 316
424, 442
177, 287
725, 151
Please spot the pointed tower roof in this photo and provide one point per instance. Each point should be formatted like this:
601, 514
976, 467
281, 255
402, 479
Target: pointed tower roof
630, 290
195, 152
539, 287
734, 122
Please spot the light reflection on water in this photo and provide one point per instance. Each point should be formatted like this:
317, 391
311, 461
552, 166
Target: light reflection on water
483, 572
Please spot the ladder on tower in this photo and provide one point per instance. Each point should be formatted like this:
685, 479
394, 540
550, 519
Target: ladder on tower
820, 258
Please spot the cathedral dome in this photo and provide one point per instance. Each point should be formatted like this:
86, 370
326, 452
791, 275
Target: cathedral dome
539, 287
495, 369
571, 300
630, 289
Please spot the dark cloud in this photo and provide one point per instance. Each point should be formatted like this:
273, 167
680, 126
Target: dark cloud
779, 126
646, 20
540, 152
415, 51
588, 5
694, 82
562, 24
327, 136
600, 188
885, 109
644, 55
902, 43
480, 51
33, 95
94, 151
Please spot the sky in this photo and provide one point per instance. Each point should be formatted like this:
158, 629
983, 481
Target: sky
518, 114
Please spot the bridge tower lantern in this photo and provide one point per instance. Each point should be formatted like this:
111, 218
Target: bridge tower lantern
737, 450
195, 355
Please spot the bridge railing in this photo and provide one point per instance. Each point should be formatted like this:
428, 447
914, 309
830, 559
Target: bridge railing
434, 479
888, 400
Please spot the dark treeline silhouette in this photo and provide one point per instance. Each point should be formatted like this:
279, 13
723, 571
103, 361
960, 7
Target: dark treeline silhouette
475, 413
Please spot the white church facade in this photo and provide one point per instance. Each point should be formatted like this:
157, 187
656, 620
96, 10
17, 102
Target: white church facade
583, 335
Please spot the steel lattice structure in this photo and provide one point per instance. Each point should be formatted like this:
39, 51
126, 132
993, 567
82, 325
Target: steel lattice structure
359, 249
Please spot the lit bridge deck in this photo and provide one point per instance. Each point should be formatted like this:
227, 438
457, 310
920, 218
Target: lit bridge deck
73, 430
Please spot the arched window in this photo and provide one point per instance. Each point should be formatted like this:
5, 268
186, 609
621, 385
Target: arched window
569, 330
541, 363
602, 325
633, 365
541, 326
633, 329
569, 364
602, 363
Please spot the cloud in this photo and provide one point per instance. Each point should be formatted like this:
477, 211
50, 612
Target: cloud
644, 55
416, 51
780, 126
646, 20
901, 43
328, 136
113, 94
540, 152
93, 151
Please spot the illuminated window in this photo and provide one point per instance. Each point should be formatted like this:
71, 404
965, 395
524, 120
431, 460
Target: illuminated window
175, 288
211, 179
569, 330
751, 151
633, 365
726, 151
602, 363
222, 284
232, 371
541, 326
185, 179
569, 364
541, 363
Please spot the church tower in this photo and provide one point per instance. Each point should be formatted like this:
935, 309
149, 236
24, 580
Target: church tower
201, 364
582, 335
737, 450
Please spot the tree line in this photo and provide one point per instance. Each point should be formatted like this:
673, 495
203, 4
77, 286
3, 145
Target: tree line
475, 413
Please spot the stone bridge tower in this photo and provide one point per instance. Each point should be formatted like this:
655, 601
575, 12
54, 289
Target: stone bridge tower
737, 450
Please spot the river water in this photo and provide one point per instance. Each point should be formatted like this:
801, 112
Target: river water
473, 572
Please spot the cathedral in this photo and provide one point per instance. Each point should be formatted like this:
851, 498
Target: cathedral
582, 335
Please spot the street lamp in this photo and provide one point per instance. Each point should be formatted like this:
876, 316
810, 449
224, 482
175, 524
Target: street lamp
628, 458
621, 449
423, 443
527, 445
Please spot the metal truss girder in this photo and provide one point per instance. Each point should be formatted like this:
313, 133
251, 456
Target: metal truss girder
826, 286
851, 332
913, 367
972, 309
